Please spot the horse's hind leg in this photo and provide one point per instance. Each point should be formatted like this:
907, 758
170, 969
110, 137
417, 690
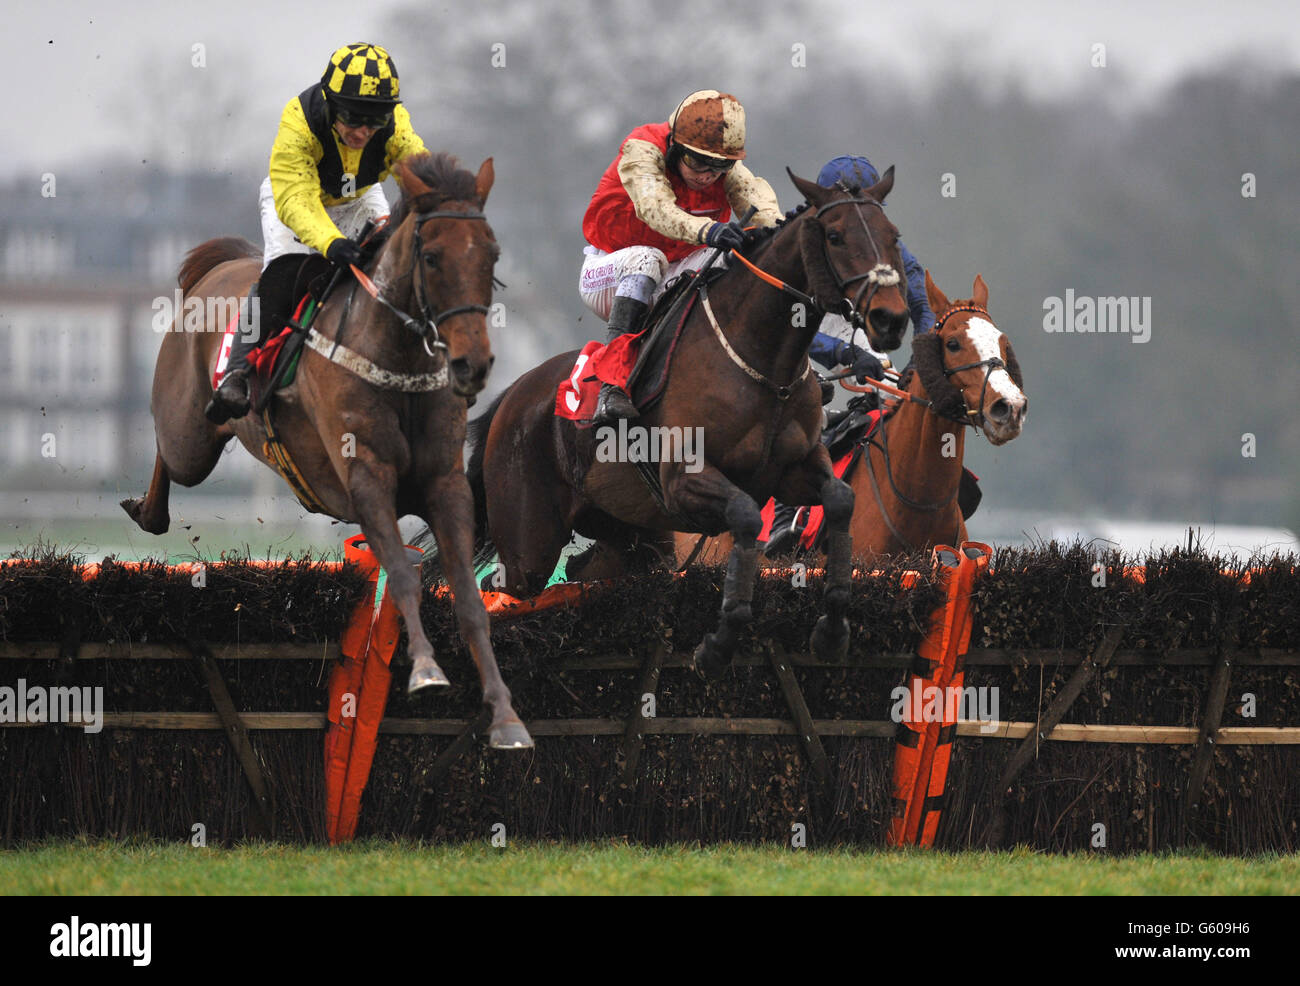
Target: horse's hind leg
150, 510
450, 512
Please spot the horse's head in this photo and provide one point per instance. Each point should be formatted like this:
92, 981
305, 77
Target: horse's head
968, 368
443, 240
851, 255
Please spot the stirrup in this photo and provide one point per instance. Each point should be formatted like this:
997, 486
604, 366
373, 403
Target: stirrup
225, 406
613, 404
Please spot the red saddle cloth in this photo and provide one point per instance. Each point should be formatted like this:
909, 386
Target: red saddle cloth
598, 363
815, 514
262, 359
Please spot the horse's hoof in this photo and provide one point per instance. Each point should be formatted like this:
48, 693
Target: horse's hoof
135, 510
426, 674
710, 660
510, 736
830, 646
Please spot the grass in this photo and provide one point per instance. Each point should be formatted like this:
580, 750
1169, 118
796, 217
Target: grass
368, 868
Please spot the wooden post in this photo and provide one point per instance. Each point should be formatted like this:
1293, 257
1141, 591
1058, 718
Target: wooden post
262, 822
634, 734
459, 745
1028, 749
808, 738
1211, 716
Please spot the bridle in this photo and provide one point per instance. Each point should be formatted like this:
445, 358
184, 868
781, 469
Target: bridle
426, 328
990, 364
880, 275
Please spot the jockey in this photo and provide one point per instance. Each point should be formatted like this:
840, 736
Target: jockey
665, 200
836, 343
338, 139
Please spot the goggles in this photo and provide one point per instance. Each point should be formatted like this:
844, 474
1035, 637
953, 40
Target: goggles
351, 119
703, 162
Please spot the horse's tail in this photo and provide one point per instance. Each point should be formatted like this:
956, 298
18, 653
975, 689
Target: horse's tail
478, 433
208, 255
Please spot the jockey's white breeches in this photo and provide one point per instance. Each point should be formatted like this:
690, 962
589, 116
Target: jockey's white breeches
639, 272
278, 239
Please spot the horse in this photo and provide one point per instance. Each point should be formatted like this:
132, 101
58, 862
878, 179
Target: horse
369, 440
740, 380
965, 374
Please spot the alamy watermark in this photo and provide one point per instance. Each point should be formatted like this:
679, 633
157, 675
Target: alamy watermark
934, 704
178, 313
1082, 313
78, 706
102, 940
654, 443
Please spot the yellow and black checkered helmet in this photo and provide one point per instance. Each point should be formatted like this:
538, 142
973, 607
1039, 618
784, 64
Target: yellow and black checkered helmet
361, 73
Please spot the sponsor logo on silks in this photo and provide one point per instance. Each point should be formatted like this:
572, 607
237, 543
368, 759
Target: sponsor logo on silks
1109, 314
656, 443
950, 704
92, 940
76, 706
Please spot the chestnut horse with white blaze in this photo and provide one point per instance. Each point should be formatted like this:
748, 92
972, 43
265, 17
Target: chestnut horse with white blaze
375, 419
965, 373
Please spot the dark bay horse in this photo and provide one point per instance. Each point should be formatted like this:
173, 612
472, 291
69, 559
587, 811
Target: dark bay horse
965, 373
740, 379
375, 420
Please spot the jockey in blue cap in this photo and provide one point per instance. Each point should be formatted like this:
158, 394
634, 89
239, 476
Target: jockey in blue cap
835, 344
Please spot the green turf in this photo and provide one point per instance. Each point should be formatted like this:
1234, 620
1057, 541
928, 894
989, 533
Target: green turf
395, 868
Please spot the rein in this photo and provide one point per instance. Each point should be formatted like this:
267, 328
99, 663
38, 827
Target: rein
429, 326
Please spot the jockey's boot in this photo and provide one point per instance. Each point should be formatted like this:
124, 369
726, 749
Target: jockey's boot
784, 535
231, 398
613, 403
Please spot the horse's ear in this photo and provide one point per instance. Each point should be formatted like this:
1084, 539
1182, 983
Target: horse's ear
981, 296
483, 181
939, 302
814, 193
880, 189
410, 185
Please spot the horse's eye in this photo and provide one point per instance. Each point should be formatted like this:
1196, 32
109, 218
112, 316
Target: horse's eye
834, 239
431, 259
953, 346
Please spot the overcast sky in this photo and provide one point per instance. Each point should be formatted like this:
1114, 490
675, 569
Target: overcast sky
78, 63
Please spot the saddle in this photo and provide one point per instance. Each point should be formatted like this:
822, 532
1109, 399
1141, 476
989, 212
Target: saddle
663, 328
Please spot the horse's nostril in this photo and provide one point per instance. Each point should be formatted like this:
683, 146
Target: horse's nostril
1000, 411
460, 367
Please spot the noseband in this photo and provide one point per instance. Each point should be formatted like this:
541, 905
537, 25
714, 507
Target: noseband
427, 327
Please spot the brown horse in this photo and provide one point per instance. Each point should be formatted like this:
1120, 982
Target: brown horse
372, 441
740, 380
965, 373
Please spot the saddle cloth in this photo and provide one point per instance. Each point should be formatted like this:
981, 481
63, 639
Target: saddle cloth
261, 360
641, 370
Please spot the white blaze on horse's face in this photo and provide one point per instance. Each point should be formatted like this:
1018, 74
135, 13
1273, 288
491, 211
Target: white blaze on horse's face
987, 340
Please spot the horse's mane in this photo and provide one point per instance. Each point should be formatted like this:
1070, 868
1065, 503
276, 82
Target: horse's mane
447, 182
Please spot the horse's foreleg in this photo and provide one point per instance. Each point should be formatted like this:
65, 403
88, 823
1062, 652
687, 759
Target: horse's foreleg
830, 637
150, 511
450, 513
814, 481
698, 495
372, 488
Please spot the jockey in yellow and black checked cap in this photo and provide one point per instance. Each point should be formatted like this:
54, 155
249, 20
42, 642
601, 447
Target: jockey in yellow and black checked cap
338, 139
